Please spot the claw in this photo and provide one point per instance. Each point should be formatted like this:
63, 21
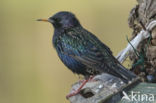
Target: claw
79, 89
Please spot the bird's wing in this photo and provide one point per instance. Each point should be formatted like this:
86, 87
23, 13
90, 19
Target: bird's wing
90, 51
85, 48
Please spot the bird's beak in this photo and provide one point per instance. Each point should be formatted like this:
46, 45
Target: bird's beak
46, 20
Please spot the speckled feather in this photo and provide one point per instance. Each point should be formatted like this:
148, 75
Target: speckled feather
82, 52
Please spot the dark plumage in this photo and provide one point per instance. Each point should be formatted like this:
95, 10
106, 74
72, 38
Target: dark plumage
81, 51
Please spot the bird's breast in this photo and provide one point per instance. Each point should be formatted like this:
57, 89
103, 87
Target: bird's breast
72, 64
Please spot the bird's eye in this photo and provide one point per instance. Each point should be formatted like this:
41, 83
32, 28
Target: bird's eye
57, 19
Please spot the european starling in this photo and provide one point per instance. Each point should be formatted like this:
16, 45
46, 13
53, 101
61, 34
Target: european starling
81, 51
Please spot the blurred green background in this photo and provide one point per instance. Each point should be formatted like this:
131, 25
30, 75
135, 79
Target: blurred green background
30, 71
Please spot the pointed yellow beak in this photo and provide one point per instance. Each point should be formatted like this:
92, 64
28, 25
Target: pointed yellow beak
46, 20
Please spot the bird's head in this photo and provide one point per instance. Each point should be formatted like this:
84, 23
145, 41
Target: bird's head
62, 20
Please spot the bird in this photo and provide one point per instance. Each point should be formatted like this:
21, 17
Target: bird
82, 52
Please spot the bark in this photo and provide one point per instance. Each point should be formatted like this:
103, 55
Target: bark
141, 16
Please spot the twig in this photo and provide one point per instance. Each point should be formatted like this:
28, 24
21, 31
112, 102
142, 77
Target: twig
142, 35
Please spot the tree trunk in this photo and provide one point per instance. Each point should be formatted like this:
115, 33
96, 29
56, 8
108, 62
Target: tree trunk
141, 15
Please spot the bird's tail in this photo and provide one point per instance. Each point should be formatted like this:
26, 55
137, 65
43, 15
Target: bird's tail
121, 72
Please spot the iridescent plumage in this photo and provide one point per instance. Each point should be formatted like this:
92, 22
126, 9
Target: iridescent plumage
81, 51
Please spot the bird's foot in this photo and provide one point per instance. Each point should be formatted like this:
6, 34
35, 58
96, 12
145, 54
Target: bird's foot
72, 94
90, 79
81, 86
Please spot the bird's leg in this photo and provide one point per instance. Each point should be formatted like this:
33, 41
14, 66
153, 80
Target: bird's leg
81, 80
81, 86
90, 80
